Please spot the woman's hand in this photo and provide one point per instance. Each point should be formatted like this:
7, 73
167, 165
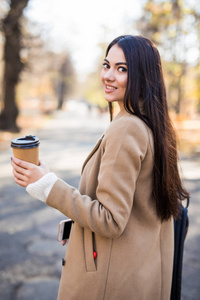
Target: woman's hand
26, 173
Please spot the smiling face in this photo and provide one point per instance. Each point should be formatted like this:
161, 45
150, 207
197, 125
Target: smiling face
114, 75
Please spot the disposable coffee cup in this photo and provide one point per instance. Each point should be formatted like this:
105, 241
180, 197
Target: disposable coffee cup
26, 148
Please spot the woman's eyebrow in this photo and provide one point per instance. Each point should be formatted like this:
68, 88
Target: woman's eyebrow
117, 64
106, 60
121, 63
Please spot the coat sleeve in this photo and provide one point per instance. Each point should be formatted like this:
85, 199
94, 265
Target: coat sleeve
124, 150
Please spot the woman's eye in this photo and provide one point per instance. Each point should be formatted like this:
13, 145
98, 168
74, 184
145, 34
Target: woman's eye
105, 66
122, 69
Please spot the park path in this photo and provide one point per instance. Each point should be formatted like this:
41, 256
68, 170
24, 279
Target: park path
30, 256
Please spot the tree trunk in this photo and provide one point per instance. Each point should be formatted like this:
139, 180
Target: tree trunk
13, 65
64, 81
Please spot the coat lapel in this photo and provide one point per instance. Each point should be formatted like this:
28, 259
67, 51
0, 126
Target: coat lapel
92, 152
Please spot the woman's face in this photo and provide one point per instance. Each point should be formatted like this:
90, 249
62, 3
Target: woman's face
114, 75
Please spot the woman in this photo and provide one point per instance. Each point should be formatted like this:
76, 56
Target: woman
128, 192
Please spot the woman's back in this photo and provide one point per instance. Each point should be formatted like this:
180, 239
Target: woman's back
134, 249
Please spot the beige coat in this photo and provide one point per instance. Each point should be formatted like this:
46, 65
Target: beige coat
114, 215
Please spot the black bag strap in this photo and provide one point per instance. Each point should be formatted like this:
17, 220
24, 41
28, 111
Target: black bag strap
180, 231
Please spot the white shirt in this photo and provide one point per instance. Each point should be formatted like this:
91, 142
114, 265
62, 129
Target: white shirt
42, 187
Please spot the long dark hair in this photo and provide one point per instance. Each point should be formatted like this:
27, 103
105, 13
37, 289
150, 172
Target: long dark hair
145, 81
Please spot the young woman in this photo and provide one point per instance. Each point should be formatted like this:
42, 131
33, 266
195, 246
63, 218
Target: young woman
129, 189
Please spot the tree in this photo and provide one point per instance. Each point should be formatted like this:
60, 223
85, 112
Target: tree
171, 24
65, 80
11, 27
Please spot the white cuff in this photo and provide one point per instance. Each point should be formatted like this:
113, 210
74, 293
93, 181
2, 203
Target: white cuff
42, 187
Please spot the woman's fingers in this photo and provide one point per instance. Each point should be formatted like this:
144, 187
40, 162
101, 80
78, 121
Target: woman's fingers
23, 178
21, 163
26, 173
18, 169
22, 171
18, 175
20, 182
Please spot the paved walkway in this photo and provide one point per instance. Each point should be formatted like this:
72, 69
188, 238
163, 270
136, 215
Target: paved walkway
30, 256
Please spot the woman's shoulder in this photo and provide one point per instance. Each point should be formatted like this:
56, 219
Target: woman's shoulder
128, 124
128, 133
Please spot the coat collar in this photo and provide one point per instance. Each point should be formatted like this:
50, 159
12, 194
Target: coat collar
92, 152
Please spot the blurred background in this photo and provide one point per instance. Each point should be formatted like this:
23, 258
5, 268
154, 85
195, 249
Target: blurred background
51, 55
52, 52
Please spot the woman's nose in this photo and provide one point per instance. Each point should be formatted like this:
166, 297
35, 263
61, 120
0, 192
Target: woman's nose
109, 75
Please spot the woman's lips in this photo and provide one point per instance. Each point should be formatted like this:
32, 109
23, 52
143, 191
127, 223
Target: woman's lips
109, 88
